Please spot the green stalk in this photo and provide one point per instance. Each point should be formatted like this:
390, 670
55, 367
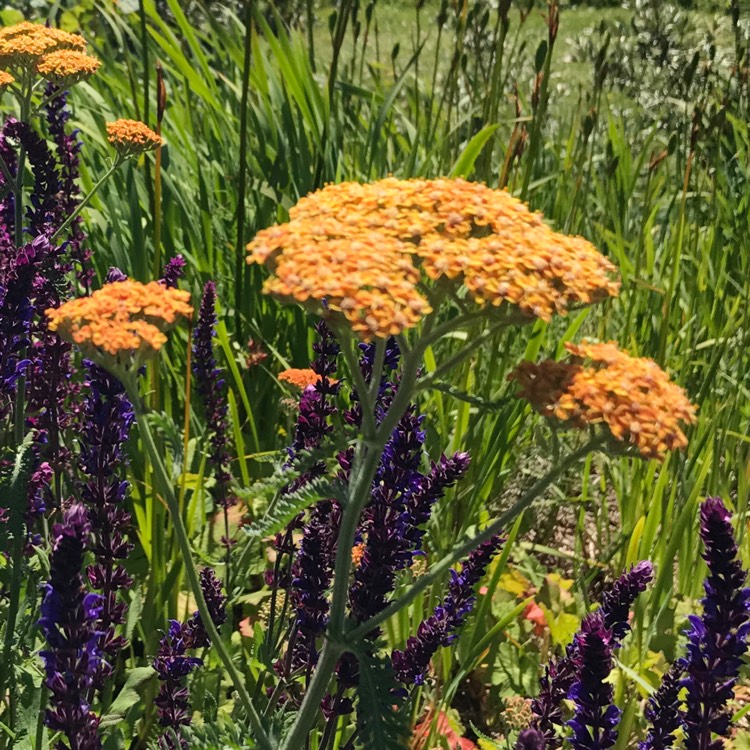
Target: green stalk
239, 261
72, 217
437, 570
160, 473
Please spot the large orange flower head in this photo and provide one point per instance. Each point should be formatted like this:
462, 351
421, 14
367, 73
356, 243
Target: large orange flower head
131, 137
371, 253
122, 324
632, 397
24, 44
67, 67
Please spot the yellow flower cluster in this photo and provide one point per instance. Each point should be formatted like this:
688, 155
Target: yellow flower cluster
67, 67
631, 396
123, 322
299, 378
25, 44
130, 137
366, 251
5, 80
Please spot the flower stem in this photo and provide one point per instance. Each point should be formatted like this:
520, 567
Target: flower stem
72, 217
437, 570
160, 473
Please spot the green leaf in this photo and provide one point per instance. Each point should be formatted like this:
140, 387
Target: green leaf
464, 165
286, 506
128, 696
381, 725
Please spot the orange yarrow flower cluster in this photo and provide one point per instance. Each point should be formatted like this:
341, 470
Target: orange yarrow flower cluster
299, 378
130, 137
631, 396
5, 80
25, 44
67, 67
122, 324
367, 252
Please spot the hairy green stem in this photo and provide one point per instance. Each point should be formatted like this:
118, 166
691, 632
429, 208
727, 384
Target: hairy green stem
160, 473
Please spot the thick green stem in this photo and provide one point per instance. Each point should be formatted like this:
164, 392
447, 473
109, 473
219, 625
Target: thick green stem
160, 473
437, 570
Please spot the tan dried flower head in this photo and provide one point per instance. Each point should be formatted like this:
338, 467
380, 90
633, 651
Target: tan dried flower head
67, 67
5, 80
124, 322
371, 251
24, 44
632, 397
130, 137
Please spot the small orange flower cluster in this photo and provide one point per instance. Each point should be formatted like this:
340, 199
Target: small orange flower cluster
67, 67
124, 321
5, 80
130, 137
632, 396
364, 250
25, 44
299, 378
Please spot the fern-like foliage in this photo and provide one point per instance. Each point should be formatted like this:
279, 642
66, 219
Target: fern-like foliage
381, 723
281, 504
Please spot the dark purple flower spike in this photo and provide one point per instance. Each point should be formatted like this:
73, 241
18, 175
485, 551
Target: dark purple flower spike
663, 712
438, 630
717, 639
596, 717
69, 615
173, 663
560, 674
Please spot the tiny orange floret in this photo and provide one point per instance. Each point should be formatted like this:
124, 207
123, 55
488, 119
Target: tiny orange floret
131, 137
632, 397
367, 252
67, 67
124, 320
299, 378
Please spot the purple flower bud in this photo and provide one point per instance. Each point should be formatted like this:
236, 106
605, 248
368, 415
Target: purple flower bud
174, 270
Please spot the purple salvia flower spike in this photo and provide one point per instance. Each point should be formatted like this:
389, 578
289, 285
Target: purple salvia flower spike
663, 712
173, 662
212, 389
717, 639
410, 665
69, 615
596, 717
107, 418
68, 146
560, 674
174, 270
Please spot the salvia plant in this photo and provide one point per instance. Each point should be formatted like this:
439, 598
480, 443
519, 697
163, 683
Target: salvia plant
392, 271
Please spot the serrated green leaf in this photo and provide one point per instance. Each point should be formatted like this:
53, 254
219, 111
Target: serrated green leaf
381, 724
